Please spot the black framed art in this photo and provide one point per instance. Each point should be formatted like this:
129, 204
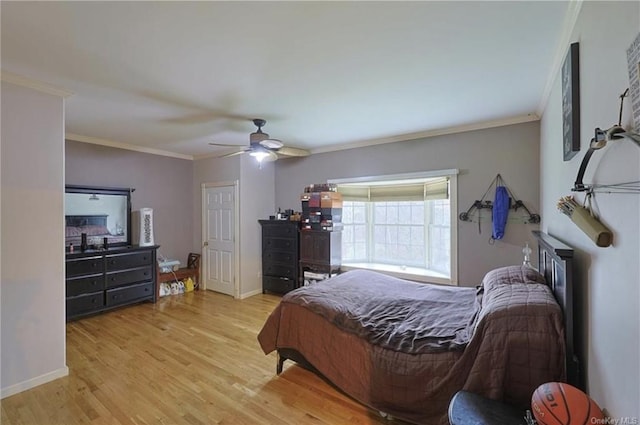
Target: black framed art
571, 103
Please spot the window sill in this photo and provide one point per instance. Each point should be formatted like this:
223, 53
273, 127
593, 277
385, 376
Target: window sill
409, 273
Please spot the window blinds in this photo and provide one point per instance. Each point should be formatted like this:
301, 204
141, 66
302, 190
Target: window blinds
431, 189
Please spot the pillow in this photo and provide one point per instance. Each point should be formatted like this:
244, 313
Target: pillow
507, 276
506, 280
72, 231
512, 274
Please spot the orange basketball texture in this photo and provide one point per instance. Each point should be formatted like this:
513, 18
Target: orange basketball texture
557, 403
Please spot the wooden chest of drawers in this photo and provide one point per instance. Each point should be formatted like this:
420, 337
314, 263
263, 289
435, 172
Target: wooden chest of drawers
97, 281
320, 252
280, 245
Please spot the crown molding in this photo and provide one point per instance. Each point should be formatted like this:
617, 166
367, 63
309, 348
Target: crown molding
20, 80
121, 145
431, 133
570, 19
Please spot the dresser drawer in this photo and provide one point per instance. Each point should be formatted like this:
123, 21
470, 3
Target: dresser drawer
85, 303
84, 266
279, 257
279, 244
277, 284
128, 261
283, 270
85, 284
130, 293
128, 277
280, 230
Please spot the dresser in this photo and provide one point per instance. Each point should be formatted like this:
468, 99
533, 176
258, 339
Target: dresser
320, 251
280, 246
100, 280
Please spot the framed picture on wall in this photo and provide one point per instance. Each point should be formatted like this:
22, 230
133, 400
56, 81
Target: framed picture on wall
571, 103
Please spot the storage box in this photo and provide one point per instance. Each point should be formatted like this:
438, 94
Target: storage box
330, 226
314, 199
334, 214
330, 200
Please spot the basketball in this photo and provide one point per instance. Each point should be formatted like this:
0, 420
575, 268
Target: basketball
557, 403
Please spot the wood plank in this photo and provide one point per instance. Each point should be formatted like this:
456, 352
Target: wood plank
188, 359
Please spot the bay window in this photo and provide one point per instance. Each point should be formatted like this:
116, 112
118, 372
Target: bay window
403, 225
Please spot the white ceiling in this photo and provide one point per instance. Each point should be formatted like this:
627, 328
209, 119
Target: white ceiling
173, 76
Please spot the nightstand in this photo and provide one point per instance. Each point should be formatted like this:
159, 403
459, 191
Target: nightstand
467, 408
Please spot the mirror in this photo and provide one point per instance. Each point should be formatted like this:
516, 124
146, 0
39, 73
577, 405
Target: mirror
98, 212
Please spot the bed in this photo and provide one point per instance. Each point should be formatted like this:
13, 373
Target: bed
404, 349
94, 225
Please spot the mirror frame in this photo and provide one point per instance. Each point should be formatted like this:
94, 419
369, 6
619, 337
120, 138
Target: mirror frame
101, 190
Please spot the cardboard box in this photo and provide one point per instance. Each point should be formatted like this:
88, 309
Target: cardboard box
314, 199
330, 200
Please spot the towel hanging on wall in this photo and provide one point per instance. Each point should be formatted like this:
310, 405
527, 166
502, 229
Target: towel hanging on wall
500, 211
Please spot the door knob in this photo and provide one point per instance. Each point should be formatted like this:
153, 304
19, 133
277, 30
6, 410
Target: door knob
206, 243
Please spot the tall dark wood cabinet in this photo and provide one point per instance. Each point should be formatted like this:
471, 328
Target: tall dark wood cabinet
280, 247
320, 251
100, 280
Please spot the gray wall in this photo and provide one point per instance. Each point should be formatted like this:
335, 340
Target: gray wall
607, 278
256, 202
162, 183
480, 155
257, 194
33, 288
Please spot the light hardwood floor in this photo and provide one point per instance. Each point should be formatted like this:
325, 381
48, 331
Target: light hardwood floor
188, 359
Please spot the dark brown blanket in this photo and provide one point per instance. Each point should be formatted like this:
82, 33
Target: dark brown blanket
392, 313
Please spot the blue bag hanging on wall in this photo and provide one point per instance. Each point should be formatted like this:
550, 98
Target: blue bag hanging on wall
500, 212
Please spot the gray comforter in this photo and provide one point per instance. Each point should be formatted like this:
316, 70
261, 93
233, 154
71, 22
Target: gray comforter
410, 318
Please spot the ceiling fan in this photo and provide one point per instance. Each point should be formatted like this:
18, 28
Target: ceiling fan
262, 147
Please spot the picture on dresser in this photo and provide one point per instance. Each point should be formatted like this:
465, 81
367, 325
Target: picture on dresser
101, 214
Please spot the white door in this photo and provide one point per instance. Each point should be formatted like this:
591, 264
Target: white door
218, 228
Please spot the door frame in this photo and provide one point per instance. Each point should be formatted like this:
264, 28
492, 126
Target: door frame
236, 232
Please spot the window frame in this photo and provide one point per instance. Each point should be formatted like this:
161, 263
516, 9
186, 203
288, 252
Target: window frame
434, 277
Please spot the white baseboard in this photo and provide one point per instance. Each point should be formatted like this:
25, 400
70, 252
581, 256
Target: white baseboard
33, 382
250, 294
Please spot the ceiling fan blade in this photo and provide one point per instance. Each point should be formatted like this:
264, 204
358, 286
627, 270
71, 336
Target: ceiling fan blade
223, 144
288, 151
233, 153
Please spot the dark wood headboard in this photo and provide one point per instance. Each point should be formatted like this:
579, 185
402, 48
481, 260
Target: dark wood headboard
86, 220
555, 262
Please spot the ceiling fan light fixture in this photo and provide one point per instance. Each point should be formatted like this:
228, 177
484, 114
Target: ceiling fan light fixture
262, 147
259, 155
